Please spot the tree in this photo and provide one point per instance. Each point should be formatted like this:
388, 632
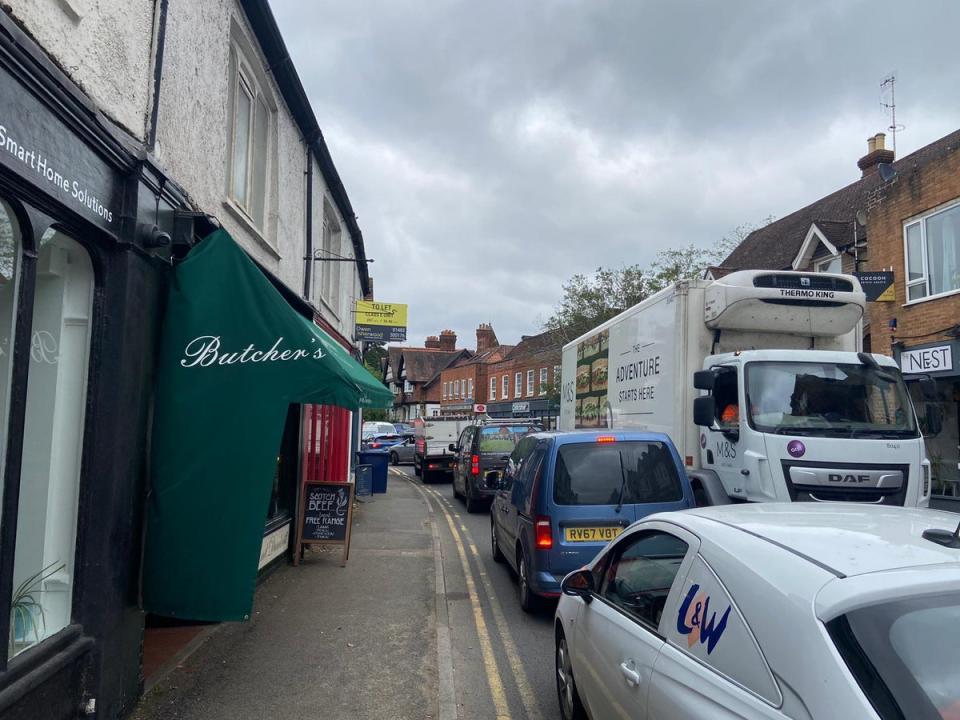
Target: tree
589, 300
373, 361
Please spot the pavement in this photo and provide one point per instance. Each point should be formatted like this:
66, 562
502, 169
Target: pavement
421, 623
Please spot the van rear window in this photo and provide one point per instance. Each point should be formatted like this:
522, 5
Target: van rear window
502, 438
597, 473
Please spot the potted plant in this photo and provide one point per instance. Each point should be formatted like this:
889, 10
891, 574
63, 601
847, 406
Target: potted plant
27, 622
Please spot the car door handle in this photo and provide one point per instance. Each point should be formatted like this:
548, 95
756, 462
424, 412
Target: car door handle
629, 673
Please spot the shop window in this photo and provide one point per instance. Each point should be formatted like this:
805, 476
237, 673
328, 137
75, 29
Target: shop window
251, 146
52, 441
932, 249
9, 276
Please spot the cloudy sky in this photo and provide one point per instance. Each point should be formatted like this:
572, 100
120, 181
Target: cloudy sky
493, 149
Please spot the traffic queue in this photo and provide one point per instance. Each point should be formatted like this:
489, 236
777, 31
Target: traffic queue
746, 535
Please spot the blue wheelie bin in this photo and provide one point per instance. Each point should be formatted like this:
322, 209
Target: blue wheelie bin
379, 459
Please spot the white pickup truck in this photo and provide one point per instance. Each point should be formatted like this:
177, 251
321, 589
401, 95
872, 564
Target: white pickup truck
433, 437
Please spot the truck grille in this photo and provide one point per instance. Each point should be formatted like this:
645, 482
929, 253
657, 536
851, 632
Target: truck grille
834, 486
803, 282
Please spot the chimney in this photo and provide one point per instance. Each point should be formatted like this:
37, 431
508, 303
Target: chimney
433, 342
876, 154
448, 340
486, 338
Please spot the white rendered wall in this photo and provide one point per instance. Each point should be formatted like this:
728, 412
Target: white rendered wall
105, 46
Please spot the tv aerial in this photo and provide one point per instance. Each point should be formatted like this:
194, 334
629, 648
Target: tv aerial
888, 101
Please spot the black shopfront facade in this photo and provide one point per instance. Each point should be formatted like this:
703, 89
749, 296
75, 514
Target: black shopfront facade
84, 264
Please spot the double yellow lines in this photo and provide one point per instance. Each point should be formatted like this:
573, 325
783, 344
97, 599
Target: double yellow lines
464, 541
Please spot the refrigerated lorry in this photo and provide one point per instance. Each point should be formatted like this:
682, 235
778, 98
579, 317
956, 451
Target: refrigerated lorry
760, 380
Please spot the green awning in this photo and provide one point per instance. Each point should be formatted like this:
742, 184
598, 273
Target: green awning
233, 356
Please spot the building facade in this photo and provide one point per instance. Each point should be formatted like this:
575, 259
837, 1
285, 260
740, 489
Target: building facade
461, 383
128, 131
413, 375
525, 383
913, 222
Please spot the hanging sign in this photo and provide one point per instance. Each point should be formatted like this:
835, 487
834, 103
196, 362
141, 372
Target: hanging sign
927, 360
877, 286
381, 322
326, 515
480, 408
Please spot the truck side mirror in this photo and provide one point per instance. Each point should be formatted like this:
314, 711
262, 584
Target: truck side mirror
452, 447
934, 419
704, 379
704, 411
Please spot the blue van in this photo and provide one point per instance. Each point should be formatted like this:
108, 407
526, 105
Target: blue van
565, 495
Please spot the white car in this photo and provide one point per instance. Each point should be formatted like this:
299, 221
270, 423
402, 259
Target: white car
801, 610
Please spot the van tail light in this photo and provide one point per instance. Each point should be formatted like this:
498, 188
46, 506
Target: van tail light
544, 533
475, 465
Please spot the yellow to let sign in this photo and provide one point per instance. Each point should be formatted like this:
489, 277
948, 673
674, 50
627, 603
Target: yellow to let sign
380, 321
370, 312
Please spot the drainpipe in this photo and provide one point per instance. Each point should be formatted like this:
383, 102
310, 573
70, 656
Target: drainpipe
161, 41
308, 255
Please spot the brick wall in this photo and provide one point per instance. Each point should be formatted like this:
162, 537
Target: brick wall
463, 374
912, 192
510, 367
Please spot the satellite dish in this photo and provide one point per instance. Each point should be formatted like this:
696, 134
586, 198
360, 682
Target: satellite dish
887, 173
861, 218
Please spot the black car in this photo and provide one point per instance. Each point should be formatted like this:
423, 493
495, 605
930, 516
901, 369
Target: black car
481, 455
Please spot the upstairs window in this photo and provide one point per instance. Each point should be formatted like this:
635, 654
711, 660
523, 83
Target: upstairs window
518, 385
506, 387
251, 129
932, 253
529, 383
493, 389
470, 389
543, 381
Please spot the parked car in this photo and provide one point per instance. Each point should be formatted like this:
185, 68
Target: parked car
382, 442
766, 611
404, 451
376, 427
565, 495
481, 454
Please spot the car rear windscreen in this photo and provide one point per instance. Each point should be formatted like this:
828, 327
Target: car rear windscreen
502, 438
597, 473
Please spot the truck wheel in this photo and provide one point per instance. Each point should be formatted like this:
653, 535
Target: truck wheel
473, 503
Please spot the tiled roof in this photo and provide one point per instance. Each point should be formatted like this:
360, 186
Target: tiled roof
530, 345
776, 245
421, 364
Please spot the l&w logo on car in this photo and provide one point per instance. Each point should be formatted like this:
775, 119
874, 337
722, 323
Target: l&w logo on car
693, 621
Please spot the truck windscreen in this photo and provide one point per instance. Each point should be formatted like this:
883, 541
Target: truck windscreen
832, 400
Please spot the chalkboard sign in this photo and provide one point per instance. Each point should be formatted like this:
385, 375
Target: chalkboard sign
363, 477
325, 517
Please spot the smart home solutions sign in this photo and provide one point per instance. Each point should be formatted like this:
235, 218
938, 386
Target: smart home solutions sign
38, 146
325, 517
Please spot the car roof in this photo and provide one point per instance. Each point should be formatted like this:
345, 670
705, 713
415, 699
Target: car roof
847, 539
579, 436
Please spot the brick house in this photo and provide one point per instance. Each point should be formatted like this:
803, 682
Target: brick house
901, 215
519, 385
411, 374
461, 383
